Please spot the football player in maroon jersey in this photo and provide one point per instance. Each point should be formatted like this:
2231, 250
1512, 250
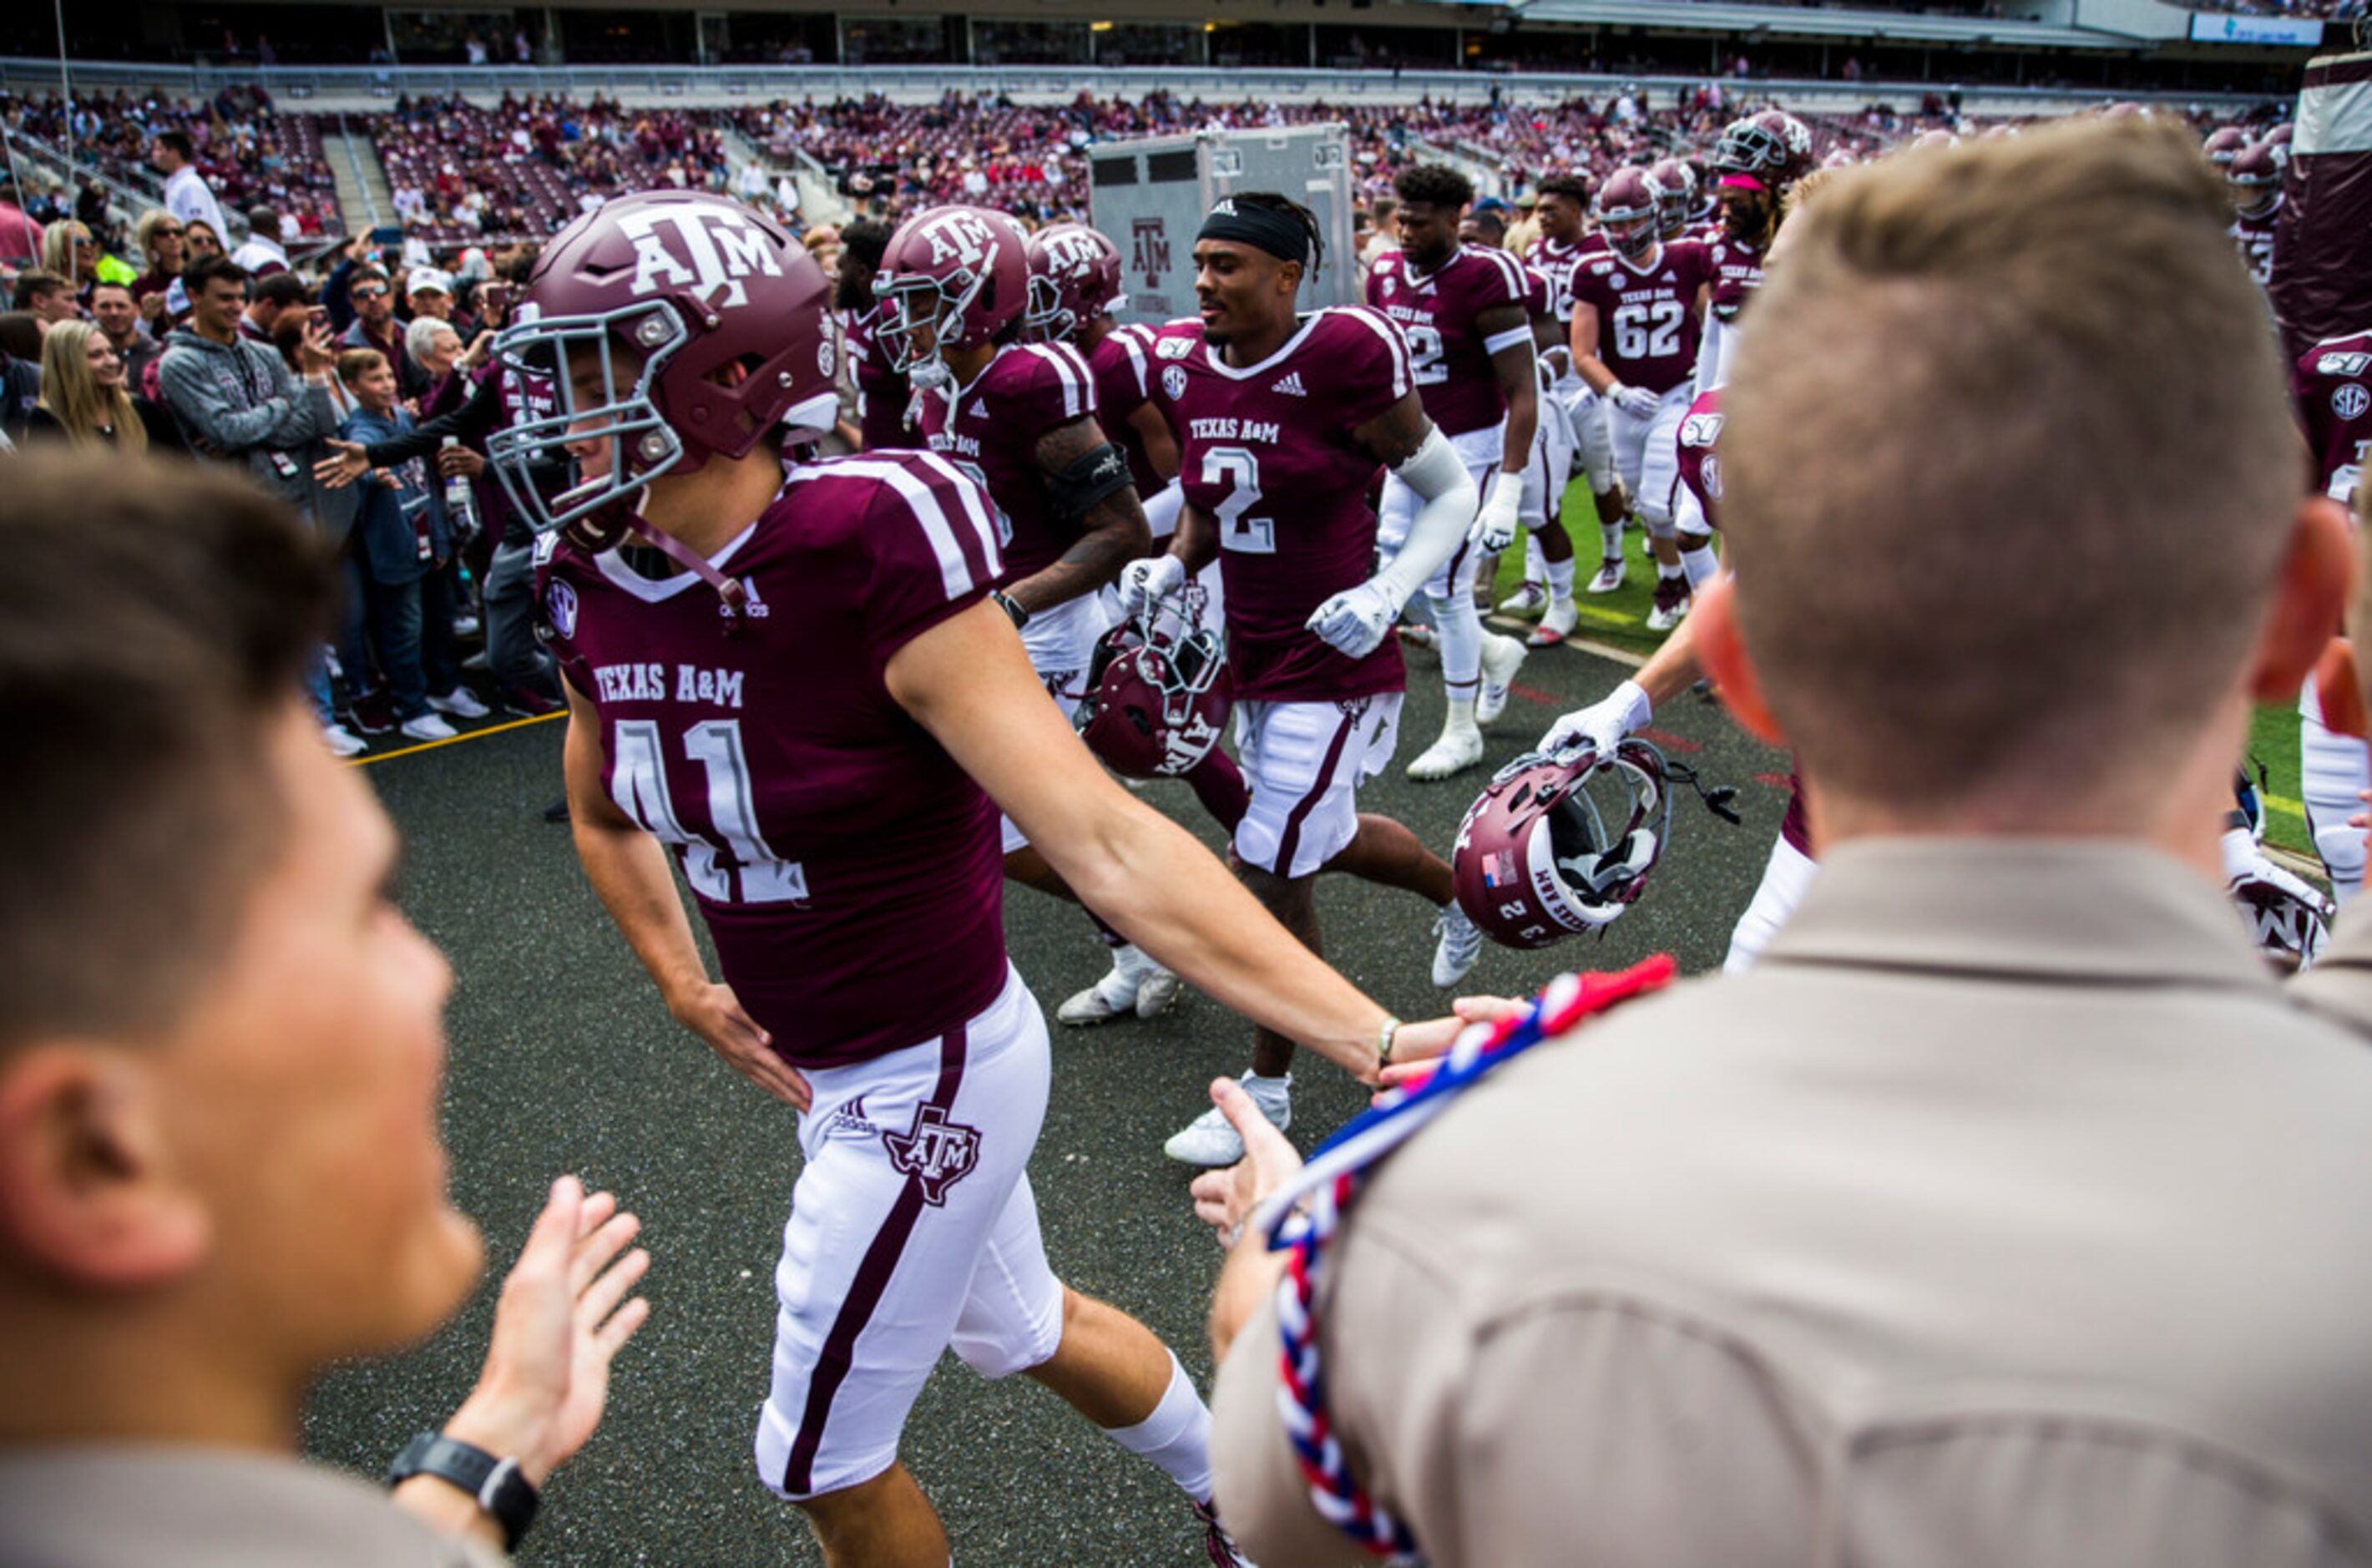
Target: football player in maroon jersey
1284, 421
1563, 209
2332, 384
1636, 316
882, 392
805, 691
1075, 283
1021, 419
2255, 177
1463, 311
1758, 160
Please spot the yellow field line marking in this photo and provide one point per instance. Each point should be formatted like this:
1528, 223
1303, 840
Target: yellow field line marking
455, 740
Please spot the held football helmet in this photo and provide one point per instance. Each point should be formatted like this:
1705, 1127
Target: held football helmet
671, 326
2289, 918
1159, 694
963, 272
1535, 861
1075, 276
1773, 146
1630, 209
1676, 184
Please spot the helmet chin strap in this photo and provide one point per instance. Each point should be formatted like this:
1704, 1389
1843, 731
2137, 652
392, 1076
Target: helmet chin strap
608, 526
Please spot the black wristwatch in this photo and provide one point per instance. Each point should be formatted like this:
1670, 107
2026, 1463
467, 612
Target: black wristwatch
1010, 606
498, 1486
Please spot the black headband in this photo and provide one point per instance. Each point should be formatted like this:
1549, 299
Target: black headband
1280, 234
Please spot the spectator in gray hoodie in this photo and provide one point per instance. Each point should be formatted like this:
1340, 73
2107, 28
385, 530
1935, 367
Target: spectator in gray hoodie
235, 399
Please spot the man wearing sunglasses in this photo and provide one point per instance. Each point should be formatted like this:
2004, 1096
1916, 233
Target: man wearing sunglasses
375, 326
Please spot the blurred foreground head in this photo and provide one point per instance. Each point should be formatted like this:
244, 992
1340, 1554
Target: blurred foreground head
220, 1044
2013, 493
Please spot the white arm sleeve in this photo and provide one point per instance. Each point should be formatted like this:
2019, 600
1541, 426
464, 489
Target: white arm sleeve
1435, 472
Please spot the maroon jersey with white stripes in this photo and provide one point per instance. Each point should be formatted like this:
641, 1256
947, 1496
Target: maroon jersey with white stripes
2333, 384
991, 429
1438, 314
1122, 365
1647, 323
885, 392
1555, 263
1700, 468
1737, 274
1266, 453
820, 828
2254, 236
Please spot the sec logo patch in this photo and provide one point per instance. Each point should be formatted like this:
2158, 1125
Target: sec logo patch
2350, 401
561, 601
1173, 381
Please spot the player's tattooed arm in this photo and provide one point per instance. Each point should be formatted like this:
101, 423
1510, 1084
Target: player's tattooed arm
1517, 370
1393, 436
1114, 531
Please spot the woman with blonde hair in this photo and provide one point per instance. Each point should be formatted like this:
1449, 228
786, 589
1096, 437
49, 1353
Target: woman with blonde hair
83, 398
68, 250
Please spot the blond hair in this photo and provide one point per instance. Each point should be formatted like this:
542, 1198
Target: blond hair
144, 234
2009, 472
75, 399
57, 250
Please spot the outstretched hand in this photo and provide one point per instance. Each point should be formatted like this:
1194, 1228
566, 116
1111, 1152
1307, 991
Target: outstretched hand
1225, 1199
562, 1316
346, 464
1416, 1048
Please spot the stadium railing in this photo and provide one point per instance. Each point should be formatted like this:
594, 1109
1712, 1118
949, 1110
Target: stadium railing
360, 85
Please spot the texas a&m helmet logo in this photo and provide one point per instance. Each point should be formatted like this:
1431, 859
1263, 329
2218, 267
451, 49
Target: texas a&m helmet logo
959, 237
935, 1152
705, 246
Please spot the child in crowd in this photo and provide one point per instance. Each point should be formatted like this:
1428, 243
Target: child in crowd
402, 544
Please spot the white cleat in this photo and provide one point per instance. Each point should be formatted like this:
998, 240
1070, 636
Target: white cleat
1555, 626
1457, 942
1157, 993
1501, 658
1457, 750
1210, 1142
1527, 602
1609, 576
1114, 997
1672, 601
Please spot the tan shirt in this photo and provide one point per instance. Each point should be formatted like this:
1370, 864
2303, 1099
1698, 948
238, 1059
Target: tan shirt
125, 1507
2006, 1213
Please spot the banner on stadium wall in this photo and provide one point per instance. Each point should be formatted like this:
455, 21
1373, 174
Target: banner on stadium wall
2321, 281
2286, 31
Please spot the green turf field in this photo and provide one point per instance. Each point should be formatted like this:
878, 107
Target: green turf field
1619, 620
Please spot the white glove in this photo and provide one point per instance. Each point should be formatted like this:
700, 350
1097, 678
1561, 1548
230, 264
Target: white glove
1636, 402
1602, 724
1495, 525
1141, 582
1355, 623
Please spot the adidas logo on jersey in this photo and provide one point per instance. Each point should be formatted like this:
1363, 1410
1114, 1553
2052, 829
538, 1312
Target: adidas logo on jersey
1291, 386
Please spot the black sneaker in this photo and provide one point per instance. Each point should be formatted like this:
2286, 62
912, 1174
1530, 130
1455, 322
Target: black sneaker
522, 704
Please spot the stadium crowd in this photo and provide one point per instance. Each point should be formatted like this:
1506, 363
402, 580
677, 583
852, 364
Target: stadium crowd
2019, 1090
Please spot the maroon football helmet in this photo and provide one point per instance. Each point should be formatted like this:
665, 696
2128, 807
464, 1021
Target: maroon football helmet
1159, 694
1676, 184
2255, 177
1075, 276
705, 323
962, 272
1630, 209
2224, 145
1535, 861
1773, 146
